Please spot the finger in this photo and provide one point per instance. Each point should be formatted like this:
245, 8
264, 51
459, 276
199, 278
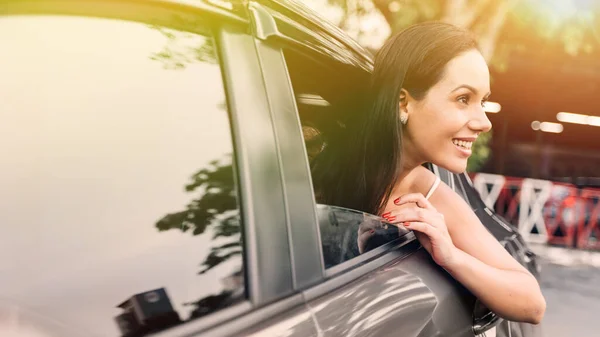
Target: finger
414, 214
389, 216
416, 198
421, 227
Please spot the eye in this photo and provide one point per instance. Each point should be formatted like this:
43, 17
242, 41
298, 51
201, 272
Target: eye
463, 99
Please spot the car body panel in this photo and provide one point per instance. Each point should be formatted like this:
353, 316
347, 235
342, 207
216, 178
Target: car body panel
288, 317
269, 273
409, 296
298, 196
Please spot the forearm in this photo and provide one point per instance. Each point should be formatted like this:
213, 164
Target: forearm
512, 294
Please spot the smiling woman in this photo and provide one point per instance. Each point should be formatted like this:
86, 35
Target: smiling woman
429, 87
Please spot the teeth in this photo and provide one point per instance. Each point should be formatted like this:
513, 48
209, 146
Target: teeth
462, 143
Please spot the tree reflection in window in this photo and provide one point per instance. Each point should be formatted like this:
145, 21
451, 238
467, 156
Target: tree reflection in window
214, 207
183, 48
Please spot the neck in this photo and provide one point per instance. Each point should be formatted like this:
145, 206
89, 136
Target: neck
410, 158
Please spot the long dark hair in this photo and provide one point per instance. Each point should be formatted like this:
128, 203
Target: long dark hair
359, 169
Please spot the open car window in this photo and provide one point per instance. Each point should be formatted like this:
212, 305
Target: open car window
326, 92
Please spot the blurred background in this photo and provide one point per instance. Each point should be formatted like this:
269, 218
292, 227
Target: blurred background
540, 165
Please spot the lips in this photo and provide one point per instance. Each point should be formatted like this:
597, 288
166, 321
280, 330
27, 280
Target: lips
465, 144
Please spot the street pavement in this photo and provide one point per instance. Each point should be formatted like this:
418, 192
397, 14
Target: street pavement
570, 282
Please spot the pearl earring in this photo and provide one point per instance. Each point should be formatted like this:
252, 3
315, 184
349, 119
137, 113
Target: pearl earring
404, 118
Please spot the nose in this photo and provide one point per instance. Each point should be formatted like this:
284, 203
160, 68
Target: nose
480, 122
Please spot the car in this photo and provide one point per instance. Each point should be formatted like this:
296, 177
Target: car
156, 180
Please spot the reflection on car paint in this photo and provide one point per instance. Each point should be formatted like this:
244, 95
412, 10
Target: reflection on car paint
369, 306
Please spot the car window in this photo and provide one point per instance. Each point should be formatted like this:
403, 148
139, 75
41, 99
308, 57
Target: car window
347, 233
326, 91
119, 211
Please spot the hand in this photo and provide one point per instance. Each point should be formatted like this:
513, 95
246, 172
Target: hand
428, 224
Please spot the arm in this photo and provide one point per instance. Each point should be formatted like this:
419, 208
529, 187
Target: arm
458, 241
483, 266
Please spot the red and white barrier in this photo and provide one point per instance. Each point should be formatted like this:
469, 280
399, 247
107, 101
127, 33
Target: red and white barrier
588, 235
544, 211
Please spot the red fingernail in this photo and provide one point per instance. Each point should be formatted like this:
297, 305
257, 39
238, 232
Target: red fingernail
397, 200
372, 231
390, 219
407, 224
385, 214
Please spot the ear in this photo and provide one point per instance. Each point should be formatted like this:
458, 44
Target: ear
405, 99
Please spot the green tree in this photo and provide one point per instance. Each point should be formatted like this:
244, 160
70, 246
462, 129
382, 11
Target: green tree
215, 201
481, 152
496, 23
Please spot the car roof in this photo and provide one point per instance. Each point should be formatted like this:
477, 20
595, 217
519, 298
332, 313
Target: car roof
301, 14
303, 25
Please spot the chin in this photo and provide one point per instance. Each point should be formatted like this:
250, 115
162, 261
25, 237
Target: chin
454, 166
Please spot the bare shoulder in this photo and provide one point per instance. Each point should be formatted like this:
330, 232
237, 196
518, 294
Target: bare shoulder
466, 230
421, 180
457, 212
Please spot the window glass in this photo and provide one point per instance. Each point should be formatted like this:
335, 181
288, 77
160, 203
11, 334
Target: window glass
325, 91
119, 211
346, 233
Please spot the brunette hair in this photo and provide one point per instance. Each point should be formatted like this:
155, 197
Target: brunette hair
360, 169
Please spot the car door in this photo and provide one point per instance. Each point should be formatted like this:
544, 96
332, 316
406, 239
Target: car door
141, 188
358, 275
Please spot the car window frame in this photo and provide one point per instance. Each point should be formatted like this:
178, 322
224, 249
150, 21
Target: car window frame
246, 101
352, 269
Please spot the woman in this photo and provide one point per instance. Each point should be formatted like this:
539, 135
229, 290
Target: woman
429, 86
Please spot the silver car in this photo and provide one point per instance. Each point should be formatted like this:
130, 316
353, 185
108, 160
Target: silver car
156, 181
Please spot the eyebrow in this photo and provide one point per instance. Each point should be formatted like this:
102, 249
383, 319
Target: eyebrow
470, 88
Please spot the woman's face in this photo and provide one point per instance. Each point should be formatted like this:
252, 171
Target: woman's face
444, 124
